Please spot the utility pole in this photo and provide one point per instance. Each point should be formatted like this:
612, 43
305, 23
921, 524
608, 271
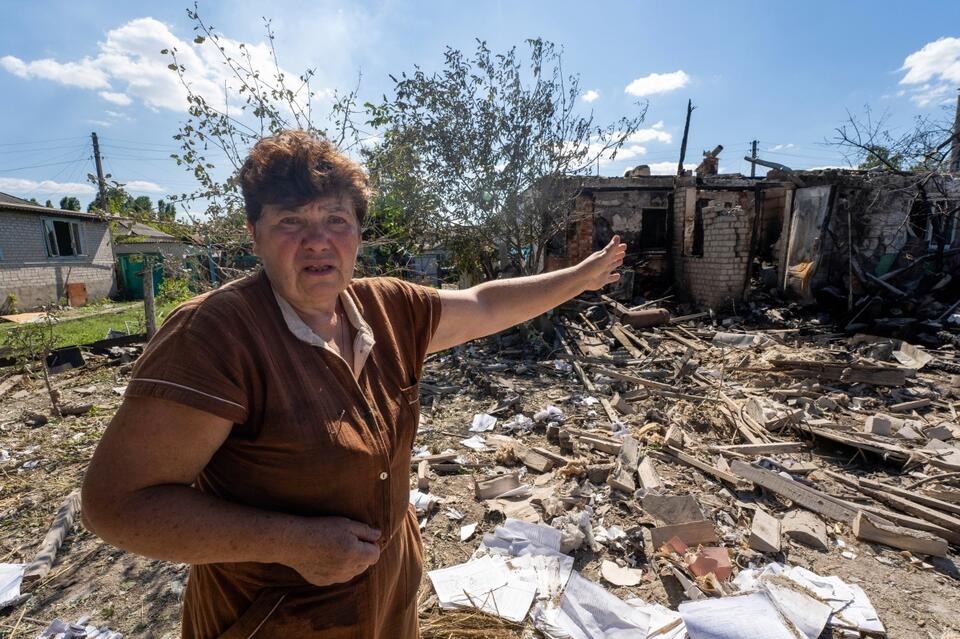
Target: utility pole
753, 154
102, 182
683, 144
955, 148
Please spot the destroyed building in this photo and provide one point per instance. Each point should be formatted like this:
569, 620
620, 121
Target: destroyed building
714, 237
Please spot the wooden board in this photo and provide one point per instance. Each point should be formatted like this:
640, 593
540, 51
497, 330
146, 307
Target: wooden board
627, 461
866, 528
798, 493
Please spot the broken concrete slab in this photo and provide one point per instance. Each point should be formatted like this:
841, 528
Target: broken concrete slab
805, 527
670, 510
883, 425
765, 532
693, 533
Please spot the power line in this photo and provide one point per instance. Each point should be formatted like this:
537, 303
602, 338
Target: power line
34, 166
40, 141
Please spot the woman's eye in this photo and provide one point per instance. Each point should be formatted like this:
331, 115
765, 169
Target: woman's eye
290, 220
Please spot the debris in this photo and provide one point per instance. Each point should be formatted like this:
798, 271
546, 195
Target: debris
619, 575
711, 560
868, 528
649, 478
423, 476
476, 443
629, 458
764, 532
423, 502
670, 510
11, 576
47, 553
806, 528
692, 534
466, 532
482, 422
497, 486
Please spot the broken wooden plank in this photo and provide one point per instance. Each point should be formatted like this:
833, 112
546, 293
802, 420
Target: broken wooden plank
649, 478
906, 407
762, 449
683, 340
423, 476
764, 532
47, 553
913, 508
603, 444
492, 487
629, 458
443, 458
800, 494
868, 528
558, 459
690, 460
536, 461
621, 337
920, 498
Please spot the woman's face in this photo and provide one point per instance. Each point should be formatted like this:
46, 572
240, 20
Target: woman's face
309, 252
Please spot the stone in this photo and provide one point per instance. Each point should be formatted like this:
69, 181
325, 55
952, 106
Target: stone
806, 528
883, 425
764, 532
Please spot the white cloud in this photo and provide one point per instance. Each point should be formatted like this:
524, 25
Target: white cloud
933, 72
668, 168
100, 122
658, 125
143, 185
590, 95
84, 74
780, 147
658, 83
120, 99
129, 66
650, 135
44, 187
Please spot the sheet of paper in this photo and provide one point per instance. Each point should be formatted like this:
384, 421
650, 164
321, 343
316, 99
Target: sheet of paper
482, 423
488, 584
738, 617
587, 611
10, 577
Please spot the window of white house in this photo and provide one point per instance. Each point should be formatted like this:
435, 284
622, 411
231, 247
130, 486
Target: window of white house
63, 238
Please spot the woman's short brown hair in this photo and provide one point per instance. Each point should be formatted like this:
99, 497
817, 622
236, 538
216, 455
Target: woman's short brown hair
295, 167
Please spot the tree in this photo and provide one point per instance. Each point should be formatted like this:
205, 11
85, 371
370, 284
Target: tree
880, 157
49, 204
166, 211
69, 203
477, 148
30, 344
143, 205
261, 102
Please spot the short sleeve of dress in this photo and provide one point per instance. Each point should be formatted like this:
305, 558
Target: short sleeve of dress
197, 359
419, 307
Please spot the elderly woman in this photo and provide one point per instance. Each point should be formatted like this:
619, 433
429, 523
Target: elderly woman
265, 435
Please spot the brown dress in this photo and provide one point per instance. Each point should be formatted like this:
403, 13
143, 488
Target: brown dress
311, 437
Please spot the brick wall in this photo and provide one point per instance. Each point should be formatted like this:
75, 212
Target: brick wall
717, 277
36, 279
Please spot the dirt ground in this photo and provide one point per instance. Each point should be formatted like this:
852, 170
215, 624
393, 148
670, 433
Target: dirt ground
141, 598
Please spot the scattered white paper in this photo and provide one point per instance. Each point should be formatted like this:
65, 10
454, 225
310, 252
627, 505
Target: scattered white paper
11, 575
423, 502
549, 414
466, 532
587, 611
517, 422
454, 514
476, 443
482, 423
590, 400
489, 584
738, 617
741, 340
562, 365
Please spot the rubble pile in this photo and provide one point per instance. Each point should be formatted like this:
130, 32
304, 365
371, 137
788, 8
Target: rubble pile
694, 478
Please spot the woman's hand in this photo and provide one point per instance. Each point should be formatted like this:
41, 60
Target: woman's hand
330, 550
598, 270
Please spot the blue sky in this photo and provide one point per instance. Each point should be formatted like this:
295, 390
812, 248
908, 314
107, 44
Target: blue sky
783, 74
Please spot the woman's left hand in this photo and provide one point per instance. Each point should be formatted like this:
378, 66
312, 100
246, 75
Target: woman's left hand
599, 269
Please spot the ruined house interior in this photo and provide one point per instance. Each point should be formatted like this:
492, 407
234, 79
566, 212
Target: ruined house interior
712, 239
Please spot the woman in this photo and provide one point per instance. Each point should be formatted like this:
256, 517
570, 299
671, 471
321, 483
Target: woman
266, 431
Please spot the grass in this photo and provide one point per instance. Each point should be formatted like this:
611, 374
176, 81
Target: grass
82, 326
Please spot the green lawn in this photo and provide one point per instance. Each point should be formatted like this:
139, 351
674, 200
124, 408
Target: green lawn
82, 326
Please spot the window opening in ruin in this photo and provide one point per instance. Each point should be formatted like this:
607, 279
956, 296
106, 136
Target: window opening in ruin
653, 229
697, 248
919, 221
63, 238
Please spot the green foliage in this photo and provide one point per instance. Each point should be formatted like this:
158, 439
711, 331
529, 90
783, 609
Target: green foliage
174, 290
470, 153
880, 157
32, 342
49, 204
68, 203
